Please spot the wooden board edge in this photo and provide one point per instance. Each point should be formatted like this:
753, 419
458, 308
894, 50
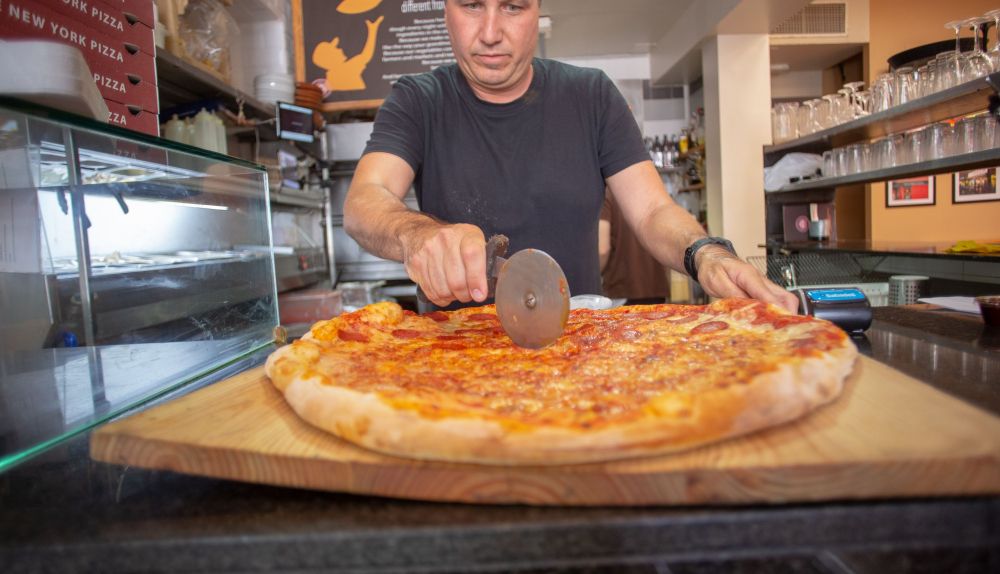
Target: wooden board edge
571, 485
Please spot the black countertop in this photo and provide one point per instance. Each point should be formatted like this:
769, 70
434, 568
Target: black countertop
61, 512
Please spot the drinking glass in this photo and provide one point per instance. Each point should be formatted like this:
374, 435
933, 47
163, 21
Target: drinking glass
857, 158
965, 136
994, 52
939, 140
948, 70
862, 103
824, 112
784, 122
897, 154
842, 109
925, 78
976, 63
829, 165
840, 161
956, 61
985, 130
916, 150
882, 93
806, 117
905, 85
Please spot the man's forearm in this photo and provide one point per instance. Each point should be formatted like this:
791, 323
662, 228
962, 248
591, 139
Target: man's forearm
667, 231
381, 223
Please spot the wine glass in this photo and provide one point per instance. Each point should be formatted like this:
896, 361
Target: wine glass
994, 52
857, 108
956, 62
976, 63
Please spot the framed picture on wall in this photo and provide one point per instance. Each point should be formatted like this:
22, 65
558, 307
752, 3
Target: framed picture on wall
975, 185
910, 191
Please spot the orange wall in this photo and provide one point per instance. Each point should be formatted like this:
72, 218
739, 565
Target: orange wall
897, 25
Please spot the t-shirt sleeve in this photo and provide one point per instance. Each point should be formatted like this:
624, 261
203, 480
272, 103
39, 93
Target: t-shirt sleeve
398, 128
620, 138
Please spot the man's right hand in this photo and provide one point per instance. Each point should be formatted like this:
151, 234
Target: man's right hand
447, 261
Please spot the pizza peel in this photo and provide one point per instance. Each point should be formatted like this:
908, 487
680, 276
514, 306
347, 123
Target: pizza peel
530, 291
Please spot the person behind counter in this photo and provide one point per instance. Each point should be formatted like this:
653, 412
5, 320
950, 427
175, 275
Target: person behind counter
502, 142
628, 271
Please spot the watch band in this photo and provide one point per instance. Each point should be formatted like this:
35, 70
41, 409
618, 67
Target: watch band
692, 250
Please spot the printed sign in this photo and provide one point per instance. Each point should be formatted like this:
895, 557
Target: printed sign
355, 49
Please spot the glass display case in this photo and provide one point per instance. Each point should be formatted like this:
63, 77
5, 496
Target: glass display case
129, 266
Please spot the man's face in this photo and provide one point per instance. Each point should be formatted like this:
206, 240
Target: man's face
494, 43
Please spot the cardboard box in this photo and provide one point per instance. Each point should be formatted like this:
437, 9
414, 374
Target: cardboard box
107, 19
120, 75
133, 118
138, 10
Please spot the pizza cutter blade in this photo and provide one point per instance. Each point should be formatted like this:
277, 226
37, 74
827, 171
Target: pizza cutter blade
532, 297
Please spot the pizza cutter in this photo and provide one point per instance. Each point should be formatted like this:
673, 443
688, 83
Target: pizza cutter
530, 291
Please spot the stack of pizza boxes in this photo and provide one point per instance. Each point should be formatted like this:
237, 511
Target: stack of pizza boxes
116, 40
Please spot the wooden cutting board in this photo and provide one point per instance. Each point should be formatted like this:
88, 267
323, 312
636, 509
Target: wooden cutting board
888, 435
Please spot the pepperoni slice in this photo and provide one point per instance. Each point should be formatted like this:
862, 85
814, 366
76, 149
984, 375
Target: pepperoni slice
439, 316
709, 327
482, 317
449, 346
654, 315
628, 334
353, 336
449, 337
406, 333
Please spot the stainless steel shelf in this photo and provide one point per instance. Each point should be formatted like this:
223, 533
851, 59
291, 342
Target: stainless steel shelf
956, 101
962, 162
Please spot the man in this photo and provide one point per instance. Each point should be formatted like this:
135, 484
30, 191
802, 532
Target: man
505, 143
628, 271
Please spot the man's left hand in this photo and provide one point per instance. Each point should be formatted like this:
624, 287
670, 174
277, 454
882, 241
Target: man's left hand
722, 274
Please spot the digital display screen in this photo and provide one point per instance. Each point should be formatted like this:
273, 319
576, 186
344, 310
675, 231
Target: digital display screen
835, 295
295, 122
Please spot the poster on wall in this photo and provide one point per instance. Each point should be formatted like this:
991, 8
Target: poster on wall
975, 185
910, 191
355, 49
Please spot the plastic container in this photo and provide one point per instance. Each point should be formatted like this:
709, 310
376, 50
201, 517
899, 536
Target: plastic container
308, 306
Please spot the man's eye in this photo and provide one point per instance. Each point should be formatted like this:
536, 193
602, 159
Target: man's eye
473, 5
513, 8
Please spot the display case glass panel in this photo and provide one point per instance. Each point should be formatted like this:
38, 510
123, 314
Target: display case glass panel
129, 266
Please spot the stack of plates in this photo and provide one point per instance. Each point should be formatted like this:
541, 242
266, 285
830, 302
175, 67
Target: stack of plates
270, 88
308, 95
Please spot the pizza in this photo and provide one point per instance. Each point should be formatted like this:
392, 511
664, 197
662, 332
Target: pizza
630, 381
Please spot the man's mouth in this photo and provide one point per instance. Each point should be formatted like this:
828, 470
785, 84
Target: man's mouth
491, 59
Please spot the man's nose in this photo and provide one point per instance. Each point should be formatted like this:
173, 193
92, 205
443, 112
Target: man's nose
492, 30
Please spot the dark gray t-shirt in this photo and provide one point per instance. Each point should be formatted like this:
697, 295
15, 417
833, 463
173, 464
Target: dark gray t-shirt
532, 169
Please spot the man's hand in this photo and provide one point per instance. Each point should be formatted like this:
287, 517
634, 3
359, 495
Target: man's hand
722, 274
447, 261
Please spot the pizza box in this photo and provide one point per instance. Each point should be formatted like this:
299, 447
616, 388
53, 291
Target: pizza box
108, 56
107, 18
133, 118
857, 447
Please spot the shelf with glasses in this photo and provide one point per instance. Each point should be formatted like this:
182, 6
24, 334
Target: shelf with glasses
961, 162
180, 81
970, 97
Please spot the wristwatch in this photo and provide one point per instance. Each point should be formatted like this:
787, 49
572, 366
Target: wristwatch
692, 250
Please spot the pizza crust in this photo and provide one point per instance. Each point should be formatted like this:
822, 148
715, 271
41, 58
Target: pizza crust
671, 422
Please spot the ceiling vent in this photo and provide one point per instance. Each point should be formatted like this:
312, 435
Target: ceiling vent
826, 19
